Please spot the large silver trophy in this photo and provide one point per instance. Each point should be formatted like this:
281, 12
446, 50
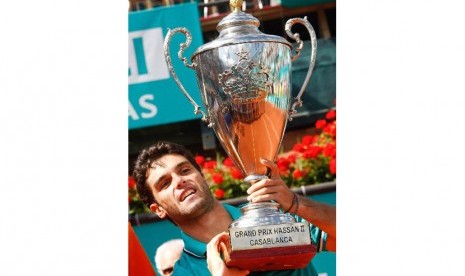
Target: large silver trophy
245, 81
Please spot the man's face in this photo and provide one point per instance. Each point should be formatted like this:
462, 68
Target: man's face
180, 190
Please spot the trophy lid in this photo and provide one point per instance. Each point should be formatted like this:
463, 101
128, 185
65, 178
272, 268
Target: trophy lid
238, 27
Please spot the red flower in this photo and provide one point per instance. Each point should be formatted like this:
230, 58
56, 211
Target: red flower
331, 114
236, 173
330, 129
312, 152
131, 182
332, 166
283, 164
200, 160
292, 158
320, 123
228, 162
209, 164
298, 147
330, 150
219, 194
217, 178
308, 139
298, 174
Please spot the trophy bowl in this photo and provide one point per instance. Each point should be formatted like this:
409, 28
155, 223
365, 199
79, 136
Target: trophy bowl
244, 77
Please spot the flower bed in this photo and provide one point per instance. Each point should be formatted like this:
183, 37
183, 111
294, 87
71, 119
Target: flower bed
312, 160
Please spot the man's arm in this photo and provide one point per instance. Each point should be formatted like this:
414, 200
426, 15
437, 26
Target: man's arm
320, 214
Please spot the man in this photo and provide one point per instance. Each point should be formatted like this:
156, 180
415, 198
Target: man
171, 183
166, 256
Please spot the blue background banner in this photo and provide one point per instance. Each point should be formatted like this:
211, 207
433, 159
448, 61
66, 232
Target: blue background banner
154, 97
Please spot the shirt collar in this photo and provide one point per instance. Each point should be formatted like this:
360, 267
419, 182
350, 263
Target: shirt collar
198, 248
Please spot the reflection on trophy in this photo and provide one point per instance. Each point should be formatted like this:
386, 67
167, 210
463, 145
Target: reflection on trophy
244, 79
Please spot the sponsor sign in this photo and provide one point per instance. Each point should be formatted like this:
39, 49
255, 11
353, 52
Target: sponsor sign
154, 97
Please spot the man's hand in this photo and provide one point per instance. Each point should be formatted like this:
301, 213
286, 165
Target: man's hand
320, 214
271, 189
216, 265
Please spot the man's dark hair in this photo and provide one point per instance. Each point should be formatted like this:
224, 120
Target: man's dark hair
147, 156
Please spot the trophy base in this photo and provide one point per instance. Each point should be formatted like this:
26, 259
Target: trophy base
276, 258
265, 239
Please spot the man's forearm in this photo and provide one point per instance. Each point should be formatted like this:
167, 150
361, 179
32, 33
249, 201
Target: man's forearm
320, 214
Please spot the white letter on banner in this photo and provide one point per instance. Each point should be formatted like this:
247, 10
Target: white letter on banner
132, 112
143, 101
146, 46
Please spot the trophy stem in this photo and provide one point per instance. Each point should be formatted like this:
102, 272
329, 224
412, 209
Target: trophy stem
252, 178
261, 213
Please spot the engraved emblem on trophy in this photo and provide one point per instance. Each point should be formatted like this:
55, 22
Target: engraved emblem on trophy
244, 81
246, 85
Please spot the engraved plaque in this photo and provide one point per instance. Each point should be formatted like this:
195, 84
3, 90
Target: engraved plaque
266, 236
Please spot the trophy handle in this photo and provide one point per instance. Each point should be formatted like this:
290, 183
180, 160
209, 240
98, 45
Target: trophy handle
182, 46
296, 37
